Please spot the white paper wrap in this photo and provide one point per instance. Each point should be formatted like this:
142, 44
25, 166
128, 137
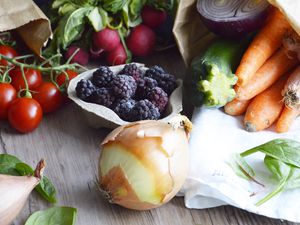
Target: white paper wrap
212, 182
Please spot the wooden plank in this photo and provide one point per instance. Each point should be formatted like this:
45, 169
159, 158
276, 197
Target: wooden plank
71, 150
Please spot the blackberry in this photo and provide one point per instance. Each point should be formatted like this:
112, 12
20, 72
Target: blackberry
132, 70
154, 71
84, 89
144, 86
123, 108
102, 96
123, 86
166, 81
144, 110
159, 98
102, 76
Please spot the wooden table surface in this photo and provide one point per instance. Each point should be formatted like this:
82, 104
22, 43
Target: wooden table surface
71, 150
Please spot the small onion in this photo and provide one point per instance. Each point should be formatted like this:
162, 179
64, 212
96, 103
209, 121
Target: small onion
144, 164
233, 17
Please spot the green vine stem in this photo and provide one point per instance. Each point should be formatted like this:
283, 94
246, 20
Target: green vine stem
27, 92
42, 67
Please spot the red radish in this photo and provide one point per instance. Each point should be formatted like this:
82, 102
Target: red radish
81, 57
141, 40
106, 39
153, 17
117, 56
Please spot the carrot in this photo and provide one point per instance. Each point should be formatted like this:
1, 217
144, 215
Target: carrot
273, 68
265, 43
291, 90
286, 119
236, 107
265, 108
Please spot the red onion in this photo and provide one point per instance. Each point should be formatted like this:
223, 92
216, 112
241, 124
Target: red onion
233, 17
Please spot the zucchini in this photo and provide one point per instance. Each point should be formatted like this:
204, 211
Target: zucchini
210, 80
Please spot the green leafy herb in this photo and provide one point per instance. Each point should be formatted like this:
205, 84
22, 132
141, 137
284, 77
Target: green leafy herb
113, 6
96, 19
10, 165
286, 150
53, 216
283, 161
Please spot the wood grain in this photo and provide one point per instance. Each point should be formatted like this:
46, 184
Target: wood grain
71, 150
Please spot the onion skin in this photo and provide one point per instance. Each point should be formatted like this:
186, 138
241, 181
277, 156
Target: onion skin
235, 18
143, 164
14, 192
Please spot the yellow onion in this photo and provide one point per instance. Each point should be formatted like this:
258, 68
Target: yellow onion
14, 192
144, 164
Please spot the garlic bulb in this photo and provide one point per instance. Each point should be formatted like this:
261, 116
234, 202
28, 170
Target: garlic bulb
14, 191
144, 164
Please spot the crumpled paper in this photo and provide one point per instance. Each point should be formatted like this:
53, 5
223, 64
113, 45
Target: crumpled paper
212, 182
29, 21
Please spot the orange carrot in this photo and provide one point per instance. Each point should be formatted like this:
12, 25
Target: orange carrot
274, 67
236, 107
266, 42
286, 119
265, 108
291, 90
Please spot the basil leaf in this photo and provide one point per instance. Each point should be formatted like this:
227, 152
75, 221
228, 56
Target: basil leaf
294, 179
47, 190
8, 164
24, 169
53, 216
285, 150
96, 19
73, 26
279, 169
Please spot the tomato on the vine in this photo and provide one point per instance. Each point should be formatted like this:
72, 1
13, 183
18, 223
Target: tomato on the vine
7, 94
61, 78
25, 114
33, 77
8, 51
49, 97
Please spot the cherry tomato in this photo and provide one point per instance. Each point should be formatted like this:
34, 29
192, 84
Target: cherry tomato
7, 94
61, 78
33, 77
49, 97
7, 51
25, 114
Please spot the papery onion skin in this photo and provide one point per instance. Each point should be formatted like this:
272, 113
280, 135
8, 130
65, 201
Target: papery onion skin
143, 164
14, 192
233, 18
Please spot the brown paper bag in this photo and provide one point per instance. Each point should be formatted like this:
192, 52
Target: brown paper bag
192, 36
29, 21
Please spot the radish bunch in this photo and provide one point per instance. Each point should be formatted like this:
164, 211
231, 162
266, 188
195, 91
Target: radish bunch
117, 47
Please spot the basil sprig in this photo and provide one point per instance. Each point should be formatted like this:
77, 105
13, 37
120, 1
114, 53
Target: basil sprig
282, 158
53, 216
11, 165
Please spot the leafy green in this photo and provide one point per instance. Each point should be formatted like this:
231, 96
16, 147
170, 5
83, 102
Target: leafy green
74, 26
8, 164
53, 216
11, 165
241, 167
285, 150
96, 19
113, 6
281, 158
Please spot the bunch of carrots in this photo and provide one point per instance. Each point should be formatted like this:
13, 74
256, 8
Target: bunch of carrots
268, 87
